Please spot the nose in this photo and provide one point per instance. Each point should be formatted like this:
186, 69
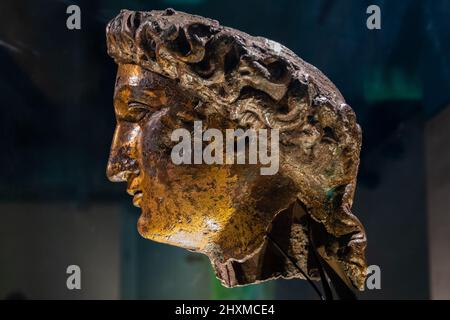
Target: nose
123, 162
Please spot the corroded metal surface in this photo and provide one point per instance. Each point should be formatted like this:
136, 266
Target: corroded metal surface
175, 68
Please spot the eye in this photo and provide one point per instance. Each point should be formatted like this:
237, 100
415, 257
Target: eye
185, 117
133, 105
137, 110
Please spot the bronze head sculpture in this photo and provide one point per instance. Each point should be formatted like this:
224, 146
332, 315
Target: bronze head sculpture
175, 68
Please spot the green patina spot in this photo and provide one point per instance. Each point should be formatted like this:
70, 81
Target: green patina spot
382, 84
330, 193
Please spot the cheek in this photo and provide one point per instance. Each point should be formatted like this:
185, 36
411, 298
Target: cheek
194, 201
154, 132
153, 147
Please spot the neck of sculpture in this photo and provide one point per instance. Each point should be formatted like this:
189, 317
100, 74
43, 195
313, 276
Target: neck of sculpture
290, 231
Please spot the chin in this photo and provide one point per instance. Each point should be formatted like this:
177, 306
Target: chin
142, 227
188, 240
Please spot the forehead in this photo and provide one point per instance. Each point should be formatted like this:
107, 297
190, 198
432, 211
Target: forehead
130, 75
134, 76
135, 82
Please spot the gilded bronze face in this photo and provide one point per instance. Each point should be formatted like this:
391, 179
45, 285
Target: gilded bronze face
175, 69
200, 207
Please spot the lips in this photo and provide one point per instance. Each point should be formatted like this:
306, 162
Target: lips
134, 190
137, 198
135, 193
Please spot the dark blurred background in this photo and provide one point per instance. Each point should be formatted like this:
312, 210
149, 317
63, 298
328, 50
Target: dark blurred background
57, 207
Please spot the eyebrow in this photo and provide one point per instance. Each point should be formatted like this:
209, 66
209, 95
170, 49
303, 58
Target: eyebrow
144, 96
150, 93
